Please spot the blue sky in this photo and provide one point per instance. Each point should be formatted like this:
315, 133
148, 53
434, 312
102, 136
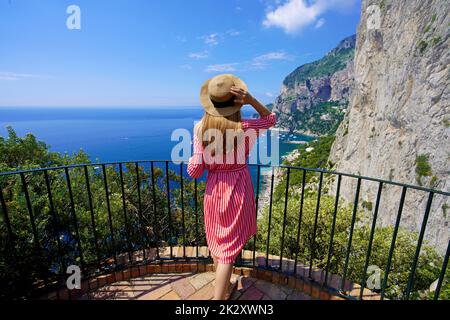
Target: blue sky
159, 52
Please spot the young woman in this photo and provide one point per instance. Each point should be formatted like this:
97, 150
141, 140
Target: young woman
229, 200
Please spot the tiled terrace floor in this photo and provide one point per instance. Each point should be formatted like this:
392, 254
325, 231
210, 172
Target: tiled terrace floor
192, 286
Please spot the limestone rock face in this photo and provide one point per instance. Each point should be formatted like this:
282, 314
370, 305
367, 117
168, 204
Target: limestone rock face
399, 110
328, 79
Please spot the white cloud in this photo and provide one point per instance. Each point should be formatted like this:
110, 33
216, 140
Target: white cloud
269, 94
211, 39
199, 55
294, 15
12, 76
260, 62
233, 33
319, 23
226, 67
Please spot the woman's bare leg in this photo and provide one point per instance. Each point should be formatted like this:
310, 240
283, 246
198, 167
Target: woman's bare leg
223, 276
215, 262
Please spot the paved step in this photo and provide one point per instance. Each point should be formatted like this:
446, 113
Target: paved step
191, 286
334, 281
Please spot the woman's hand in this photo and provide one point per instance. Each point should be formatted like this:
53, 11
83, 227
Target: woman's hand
242, 96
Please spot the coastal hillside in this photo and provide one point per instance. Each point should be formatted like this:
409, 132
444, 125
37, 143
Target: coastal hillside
314, 97
398, 123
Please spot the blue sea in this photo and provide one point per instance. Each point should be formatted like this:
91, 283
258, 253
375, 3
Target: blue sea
112, 134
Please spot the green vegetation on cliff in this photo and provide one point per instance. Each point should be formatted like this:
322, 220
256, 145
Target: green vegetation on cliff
328, 65
133, 222
315, 239
322, 119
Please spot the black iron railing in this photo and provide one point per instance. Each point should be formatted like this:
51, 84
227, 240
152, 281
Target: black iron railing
92, 215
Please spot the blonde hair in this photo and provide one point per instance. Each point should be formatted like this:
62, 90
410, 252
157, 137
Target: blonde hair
223, 124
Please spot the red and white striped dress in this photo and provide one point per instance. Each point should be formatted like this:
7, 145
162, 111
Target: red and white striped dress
229, 200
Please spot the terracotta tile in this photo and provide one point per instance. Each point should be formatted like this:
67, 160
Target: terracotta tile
101, 280
183, 288
204, 293
110, 278
291, 281
135, 272
247, 282
276, 278
126, 294
286, 289
151, 268
118, 275
126, 274
295, 295
142, 270
271, 290
251, 293
185, 267
315, 291
171, 295
324, 295
156, 293
201, 279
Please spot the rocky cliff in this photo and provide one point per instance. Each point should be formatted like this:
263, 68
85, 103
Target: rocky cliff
397, 124
314, 97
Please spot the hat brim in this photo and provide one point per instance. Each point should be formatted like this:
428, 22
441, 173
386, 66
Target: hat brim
218, 112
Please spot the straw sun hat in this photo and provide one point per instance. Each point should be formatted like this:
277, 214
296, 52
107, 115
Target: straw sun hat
215, 95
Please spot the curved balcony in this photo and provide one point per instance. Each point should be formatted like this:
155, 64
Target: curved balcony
135, 231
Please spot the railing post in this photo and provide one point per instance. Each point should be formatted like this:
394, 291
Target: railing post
442, 274
6, 219
258, 177
270, 217
333, 226
419, 245
284, 216
108, 206
394, 238
141, 218
54, 224
91, 209
350, 237
372, 233
300, 216
155, 213
182, 209
125, 215
316, 217
169, 210
196, 216
74, 218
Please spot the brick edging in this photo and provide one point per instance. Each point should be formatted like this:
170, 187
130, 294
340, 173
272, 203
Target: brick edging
296, 282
